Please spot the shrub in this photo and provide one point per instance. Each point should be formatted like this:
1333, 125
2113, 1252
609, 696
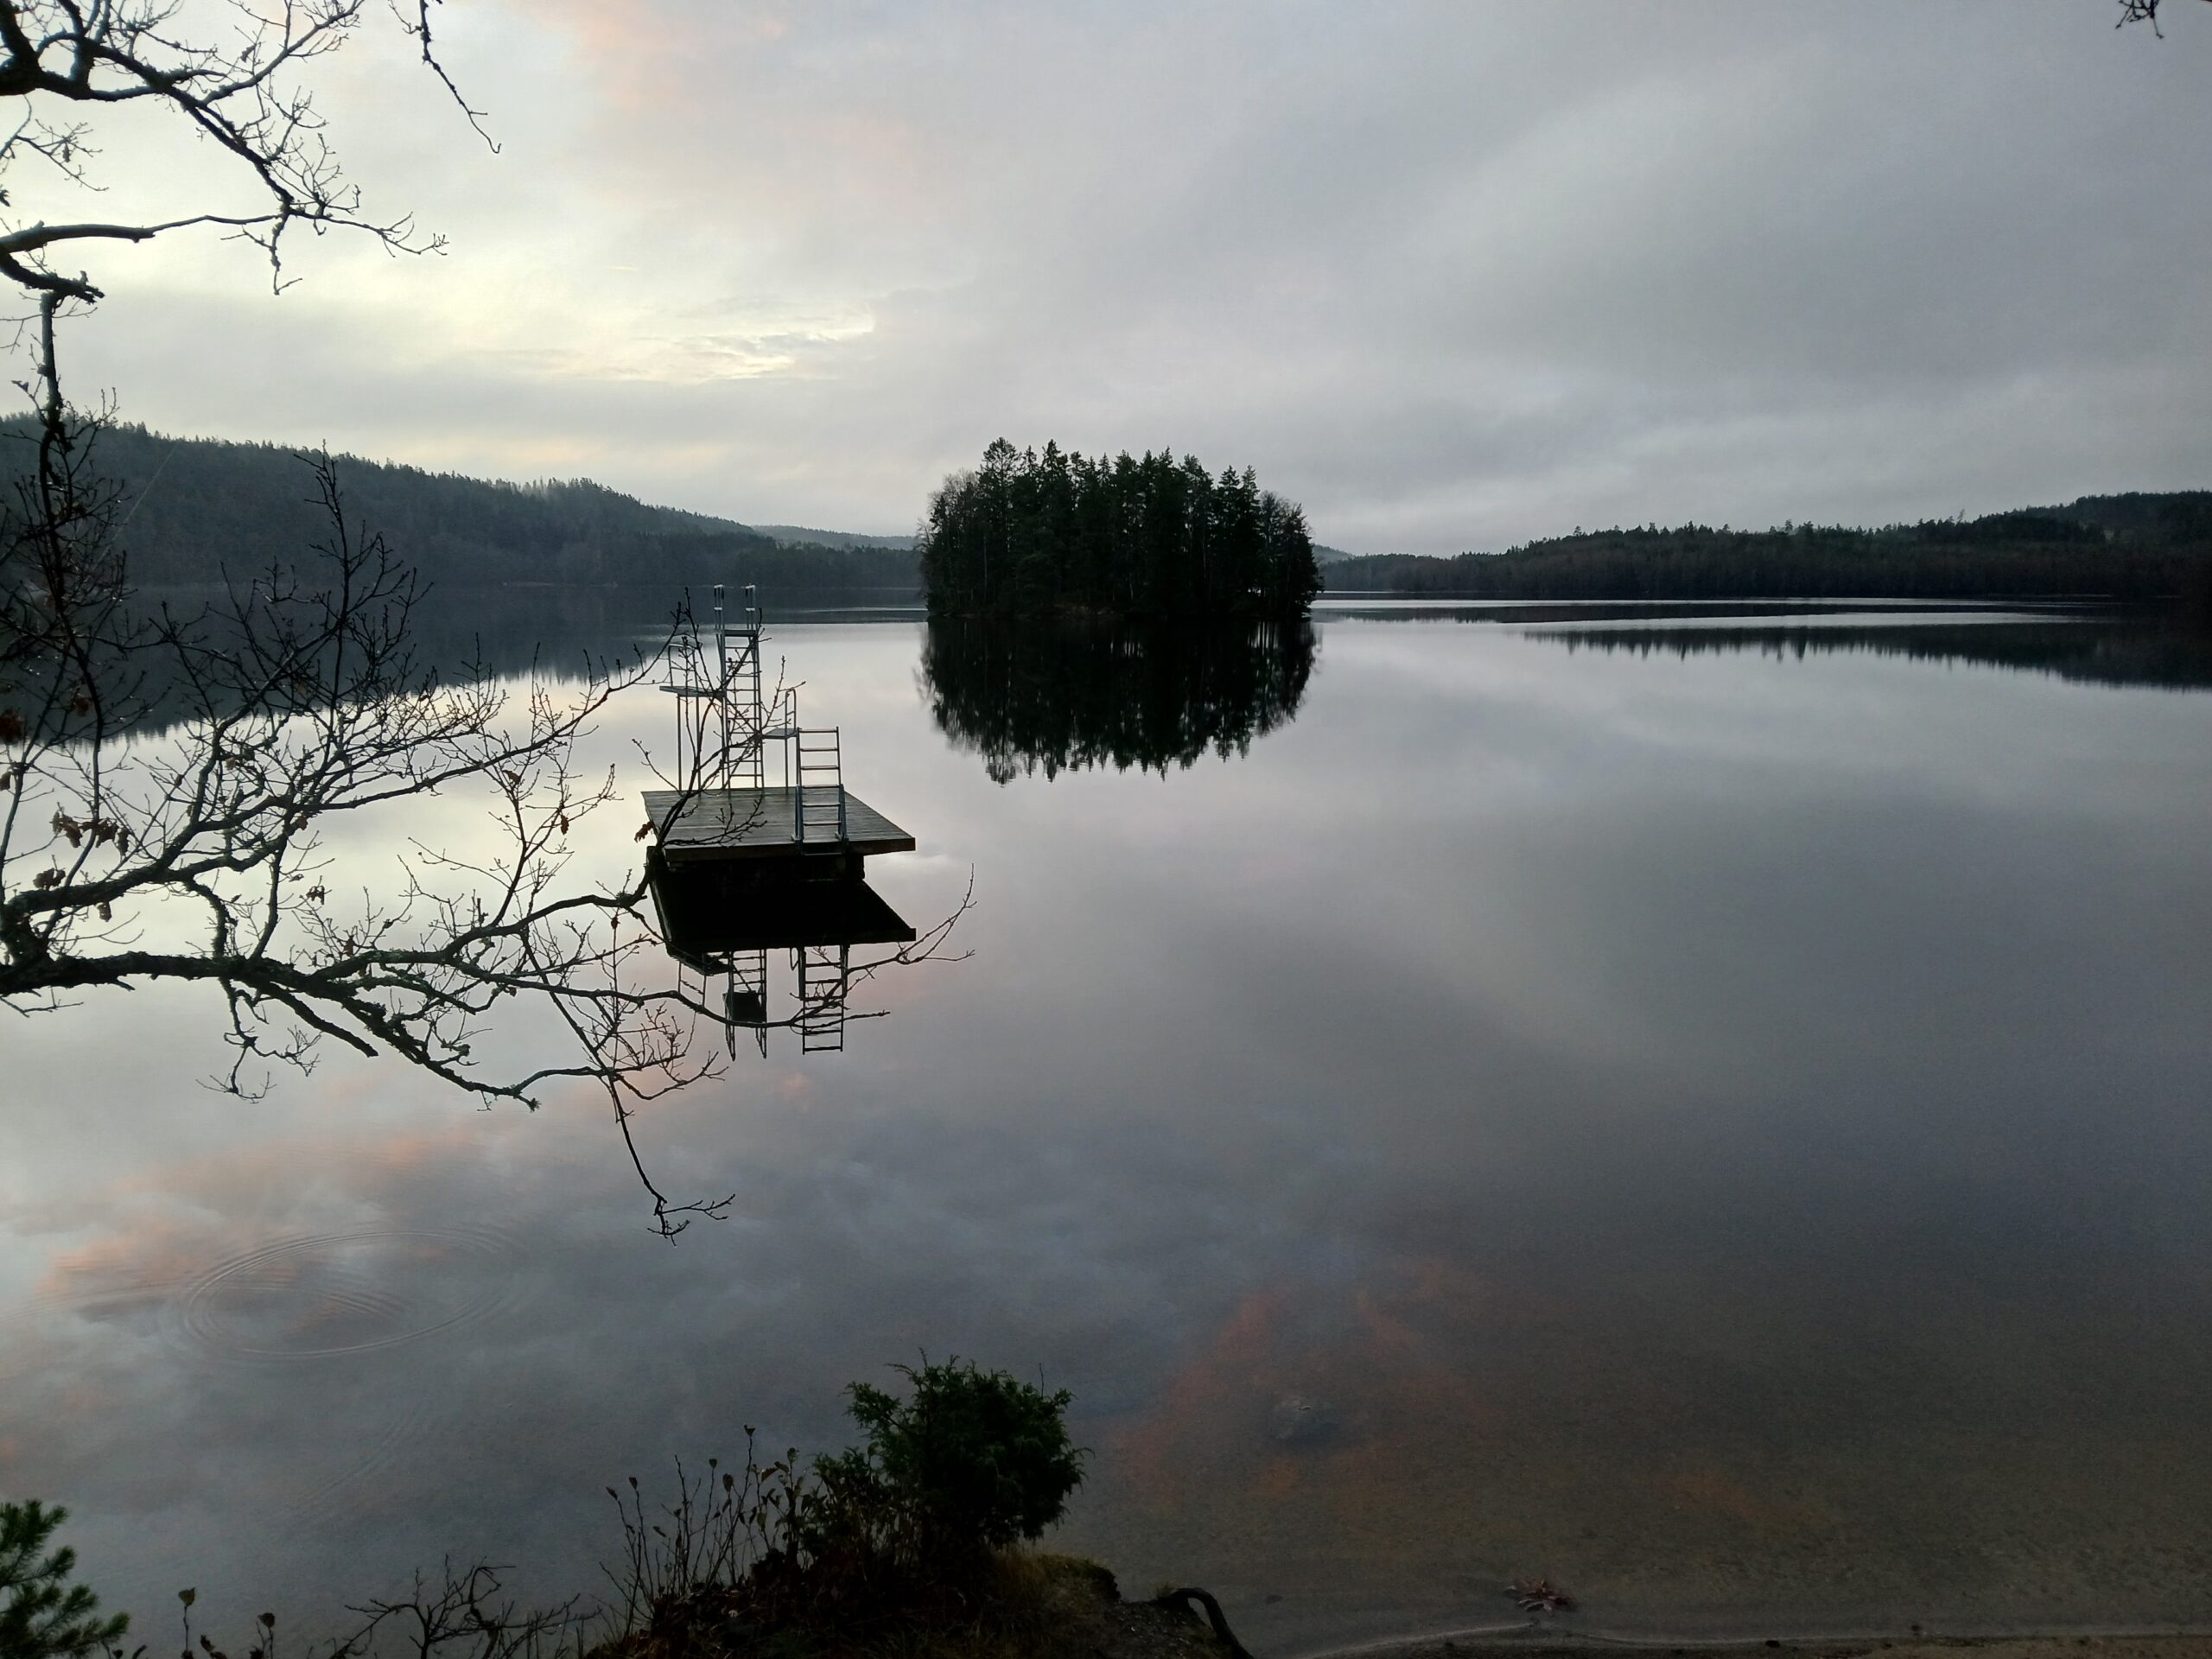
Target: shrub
971, 1461
899, 1534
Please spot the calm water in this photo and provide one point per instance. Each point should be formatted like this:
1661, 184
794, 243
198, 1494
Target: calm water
1723, 1122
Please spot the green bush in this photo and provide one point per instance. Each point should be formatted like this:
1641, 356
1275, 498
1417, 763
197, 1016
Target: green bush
44, 1616
970, 1461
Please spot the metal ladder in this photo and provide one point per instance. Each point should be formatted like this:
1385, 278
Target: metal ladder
725, 748
819, 800
745, 1001
745, 723
823, 971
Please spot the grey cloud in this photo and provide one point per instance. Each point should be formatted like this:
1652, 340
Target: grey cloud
1452, 275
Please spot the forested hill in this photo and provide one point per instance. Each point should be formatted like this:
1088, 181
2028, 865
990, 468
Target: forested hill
197, 507
2137, 546
801, 535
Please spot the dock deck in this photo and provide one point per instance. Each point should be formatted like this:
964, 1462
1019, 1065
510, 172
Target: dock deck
732, 824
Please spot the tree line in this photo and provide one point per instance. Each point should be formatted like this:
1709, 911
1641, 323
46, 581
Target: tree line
1025, 533
2133, 547
194, 508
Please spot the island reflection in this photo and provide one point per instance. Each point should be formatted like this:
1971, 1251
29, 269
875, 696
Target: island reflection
1063, 697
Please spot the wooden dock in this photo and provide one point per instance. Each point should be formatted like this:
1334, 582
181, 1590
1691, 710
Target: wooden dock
720, 824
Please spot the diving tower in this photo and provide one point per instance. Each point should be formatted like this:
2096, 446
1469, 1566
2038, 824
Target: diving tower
789, 818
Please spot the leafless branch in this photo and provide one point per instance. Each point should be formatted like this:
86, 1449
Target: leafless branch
293, 704
2140, 11
465, 1614
170, 782
238, 89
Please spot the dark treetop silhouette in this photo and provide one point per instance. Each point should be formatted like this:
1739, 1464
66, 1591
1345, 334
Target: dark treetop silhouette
1026, 534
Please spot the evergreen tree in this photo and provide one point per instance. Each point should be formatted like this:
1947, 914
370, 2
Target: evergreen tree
44, 1616
1024, 534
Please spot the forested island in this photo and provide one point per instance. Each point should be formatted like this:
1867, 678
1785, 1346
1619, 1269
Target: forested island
2127, 547
1026, 534
193, 508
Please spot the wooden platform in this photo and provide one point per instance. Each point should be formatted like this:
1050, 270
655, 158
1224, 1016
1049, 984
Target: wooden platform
728, 824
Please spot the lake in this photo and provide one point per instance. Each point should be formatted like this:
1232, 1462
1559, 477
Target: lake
1714, 1108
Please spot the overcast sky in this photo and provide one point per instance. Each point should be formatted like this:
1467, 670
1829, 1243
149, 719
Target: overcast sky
1453, 275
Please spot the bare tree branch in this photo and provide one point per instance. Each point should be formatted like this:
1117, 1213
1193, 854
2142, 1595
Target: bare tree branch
2140, 11
197, 854
239, 91
168, 780
420, 28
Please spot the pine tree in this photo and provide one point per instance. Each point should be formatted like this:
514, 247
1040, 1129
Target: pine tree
1027, 534
44, 1616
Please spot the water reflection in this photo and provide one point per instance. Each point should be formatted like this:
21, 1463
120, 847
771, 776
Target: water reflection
1063, 698
720, 922
558, 632
2137, 653
558, 628
1730, 1136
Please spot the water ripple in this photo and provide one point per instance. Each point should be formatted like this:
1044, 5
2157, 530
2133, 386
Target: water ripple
323, 1295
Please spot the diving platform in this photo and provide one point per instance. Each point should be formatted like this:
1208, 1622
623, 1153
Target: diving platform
740, 867
717, 824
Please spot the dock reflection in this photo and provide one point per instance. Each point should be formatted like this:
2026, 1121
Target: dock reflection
726, 926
